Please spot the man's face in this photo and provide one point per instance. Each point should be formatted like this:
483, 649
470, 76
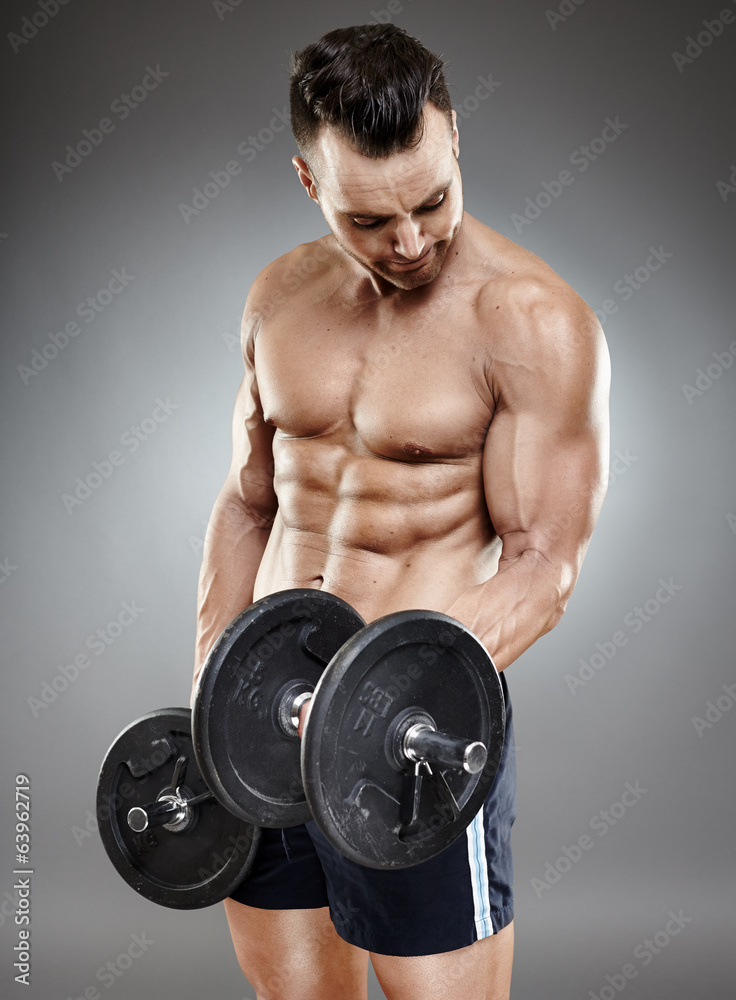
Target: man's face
398, 216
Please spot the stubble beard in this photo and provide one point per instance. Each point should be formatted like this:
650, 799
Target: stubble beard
408, 280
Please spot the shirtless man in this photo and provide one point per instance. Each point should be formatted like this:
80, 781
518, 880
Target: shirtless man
422, 424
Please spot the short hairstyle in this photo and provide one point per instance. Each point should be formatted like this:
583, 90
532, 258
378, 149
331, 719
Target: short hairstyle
371, 82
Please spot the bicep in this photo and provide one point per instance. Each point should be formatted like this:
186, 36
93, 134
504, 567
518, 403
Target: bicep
546, 453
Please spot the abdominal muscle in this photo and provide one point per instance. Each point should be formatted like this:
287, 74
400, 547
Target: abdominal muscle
420, 546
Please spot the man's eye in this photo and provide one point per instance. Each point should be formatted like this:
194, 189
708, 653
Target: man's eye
374, 223
435, 204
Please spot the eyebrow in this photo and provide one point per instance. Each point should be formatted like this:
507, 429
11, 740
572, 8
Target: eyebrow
371, 215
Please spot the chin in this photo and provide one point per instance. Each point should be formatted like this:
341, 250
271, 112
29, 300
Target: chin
406, 280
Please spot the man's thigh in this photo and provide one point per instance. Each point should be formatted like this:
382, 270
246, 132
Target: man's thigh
295, 954
435, 916
482, 971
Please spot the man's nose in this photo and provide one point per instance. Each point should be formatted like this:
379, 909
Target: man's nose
408, 240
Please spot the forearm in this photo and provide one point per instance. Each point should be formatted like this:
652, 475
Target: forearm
234, 544
523, 601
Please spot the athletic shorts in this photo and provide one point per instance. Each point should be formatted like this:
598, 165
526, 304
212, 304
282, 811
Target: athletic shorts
460, 896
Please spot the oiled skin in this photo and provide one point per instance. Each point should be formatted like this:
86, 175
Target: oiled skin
403, 443
377, 450
385, 448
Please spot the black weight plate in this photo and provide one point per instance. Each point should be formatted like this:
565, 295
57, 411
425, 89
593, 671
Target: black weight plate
410, 659
251, 765
196, 867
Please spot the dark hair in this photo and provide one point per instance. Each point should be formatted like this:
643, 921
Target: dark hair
371, 82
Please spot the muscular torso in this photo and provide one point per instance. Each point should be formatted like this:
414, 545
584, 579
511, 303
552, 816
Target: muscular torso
382, 406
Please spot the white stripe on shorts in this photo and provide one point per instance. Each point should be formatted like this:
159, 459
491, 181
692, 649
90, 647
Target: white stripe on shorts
479, 876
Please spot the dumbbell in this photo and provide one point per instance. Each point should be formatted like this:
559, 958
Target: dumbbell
404, 734
161, 826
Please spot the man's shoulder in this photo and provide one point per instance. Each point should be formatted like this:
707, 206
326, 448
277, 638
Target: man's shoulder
524, 300
290, 276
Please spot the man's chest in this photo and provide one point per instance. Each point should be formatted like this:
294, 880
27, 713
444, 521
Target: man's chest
410, 389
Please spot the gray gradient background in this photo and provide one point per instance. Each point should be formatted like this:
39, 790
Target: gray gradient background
172, 333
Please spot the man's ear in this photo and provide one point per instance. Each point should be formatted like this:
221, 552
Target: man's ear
455, 136
305, 176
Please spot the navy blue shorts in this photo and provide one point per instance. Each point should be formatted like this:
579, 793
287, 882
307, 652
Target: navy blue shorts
458, 897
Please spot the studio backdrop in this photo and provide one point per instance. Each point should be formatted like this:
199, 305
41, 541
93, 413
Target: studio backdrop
147, 180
